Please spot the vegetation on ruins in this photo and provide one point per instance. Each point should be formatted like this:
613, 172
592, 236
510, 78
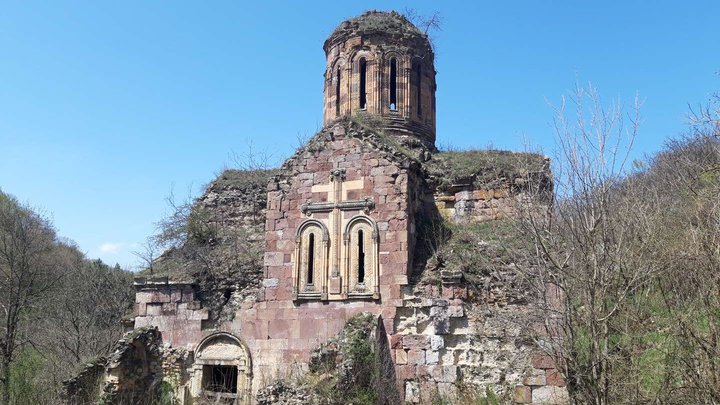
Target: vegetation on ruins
206, 243
623, 261
626, 260
58, 308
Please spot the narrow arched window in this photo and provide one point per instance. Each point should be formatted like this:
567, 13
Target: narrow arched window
418, 87
337, 93
311, 258
393, 84
363, 83
361, 257
361, 268
310, 265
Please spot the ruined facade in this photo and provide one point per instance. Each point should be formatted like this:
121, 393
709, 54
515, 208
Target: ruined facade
348, 230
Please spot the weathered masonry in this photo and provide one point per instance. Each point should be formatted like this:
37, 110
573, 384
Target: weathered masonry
346, 227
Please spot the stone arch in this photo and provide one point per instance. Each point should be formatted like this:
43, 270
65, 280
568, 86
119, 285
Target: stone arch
392, 78
361, 244
417, 82
337, 86
222, 369
312, 247
357, 57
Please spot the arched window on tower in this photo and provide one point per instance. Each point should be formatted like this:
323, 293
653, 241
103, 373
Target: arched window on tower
361, 267
417, 74
393, 84
363, 83
337, 93
311, 252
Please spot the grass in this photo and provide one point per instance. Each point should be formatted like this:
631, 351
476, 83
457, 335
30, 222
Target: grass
485, 168
242, 179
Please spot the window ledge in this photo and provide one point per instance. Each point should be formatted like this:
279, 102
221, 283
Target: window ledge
364, 295
309, 296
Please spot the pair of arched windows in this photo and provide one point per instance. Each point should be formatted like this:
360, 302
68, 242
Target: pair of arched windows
358, 259
362, 85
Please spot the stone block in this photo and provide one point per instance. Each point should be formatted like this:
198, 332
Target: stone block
401, 356
455, 311
554, 378
396, 341
446, 373
542, 361
405, 372
432, 357
416, 357
441, 325
154, 309
522, 395
438, 312
437, 342
416, 342
460, 292
550, 395
482, 194
159, 296
169, 308
536, 378
199, 315
412, 392
176, 296
279, 329
274, 258
188, 295
270, 283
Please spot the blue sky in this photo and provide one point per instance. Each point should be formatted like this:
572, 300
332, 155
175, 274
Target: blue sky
107, 106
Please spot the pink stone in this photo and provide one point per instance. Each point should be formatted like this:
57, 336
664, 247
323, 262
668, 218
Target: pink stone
405, 372
274, 258
396, 341
542, 361
522, 394
278, 329
416, 342
555, 378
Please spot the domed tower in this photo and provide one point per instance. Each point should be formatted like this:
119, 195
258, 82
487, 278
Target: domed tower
381, 65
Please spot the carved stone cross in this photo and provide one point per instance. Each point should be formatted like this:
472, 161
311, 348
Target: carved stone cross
336, 203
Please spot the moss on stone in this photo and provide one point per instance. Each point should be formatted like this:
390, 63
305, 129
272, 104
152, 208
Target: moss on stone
241, 179
485, 169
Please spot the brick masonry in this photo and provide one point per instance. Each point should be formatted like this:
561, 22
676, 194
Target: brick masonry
437, 336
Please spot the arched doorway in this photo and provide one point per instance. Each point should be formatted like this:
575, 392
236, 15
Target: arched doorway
222, 369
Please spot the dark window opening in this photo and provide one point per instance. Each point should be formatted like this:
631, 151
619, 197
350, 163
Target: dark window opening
337, 93
311, 258
393, 84
363, 83
418, 87
361, 257
221, 379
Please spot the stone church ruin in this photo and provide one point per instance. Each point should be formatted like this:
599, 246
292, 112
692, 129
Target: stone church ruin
351, 225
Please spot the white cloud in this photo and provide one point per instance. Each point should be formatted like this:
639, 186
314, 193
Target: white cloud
111, 247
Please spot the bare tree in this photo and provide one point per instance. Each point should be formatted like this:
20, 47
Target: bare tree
29, 269
592, 245
147, 253
427, 24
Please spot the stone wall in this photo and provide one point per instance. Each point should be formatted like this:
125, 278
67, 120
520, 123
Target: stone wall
173, 309
131, 374
439, 334
468, 203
